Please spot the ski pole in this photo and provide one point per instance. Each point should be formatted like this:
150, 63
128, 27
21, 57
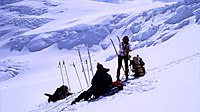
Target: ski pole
90, 62
61, 72
88, 69
65, 68
77, 76
83, 70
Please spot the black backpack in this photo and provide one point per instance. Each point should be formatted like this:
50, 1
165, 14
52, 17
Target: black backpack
60, 93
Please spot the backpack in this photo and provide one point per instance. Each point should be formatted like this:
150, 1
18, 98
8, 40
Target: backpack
60, 93
138, 66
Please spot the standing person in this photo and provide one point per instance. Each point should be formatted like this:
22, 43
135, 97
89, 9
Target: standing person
123, 54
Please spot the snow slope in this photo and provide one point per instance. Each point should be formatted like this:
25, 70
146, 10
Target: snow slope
166, 37
168, 86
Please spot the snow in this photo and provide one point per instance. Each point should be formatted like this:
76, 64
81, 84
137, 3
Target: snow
165, 35
183, 12
189, 1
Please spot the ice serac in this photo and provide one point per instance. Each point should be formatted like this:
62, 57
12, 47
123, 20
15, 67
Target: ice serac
197, 14
5, 2
183, 12
147, 28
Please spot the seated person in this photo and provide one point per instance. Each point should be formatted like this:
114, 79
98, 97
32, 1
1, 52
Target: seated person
101, 84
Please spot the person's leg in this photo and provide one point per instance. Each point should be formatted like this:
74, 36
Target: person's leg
80, 97
85, 95
126, 67
88, 95
119, 66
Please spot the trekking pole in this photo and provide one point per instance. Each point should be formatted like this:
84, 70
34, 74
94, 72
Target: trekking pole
77, 76
90, 62
88, 69
65, 68
83, 70
61, 72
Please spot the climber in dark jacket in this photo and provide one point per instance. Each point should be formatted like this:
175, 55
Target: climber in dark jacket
101, 83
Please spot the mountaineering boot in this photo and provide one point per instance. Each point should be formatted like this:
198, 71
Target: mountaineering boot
118, 74
126, 74
73, 102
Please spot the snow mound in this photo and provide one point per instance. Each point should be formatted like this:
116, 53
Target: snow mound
10, 69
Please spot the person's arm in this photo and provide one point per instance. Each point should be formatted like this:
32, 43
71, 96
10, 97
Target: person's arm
128, 48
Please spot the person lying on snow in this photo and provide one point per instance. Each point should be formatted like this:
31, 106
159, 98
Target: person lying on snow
138, 66
60, 93
101, 85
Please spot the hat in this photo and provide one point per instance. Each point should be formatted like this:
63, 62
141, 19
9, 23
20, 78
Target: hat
99, 66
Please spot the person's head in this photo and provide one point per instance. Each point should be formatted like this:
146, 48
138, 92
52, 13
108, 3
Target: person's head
101, 68
125, 39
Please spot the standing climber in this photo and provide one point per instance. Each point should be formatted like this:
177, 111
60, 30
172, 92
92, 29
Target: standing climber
123, 54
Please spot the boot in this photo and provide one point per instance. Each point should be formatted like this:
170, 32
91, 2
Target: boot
118, 75
74, 102
126, 74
